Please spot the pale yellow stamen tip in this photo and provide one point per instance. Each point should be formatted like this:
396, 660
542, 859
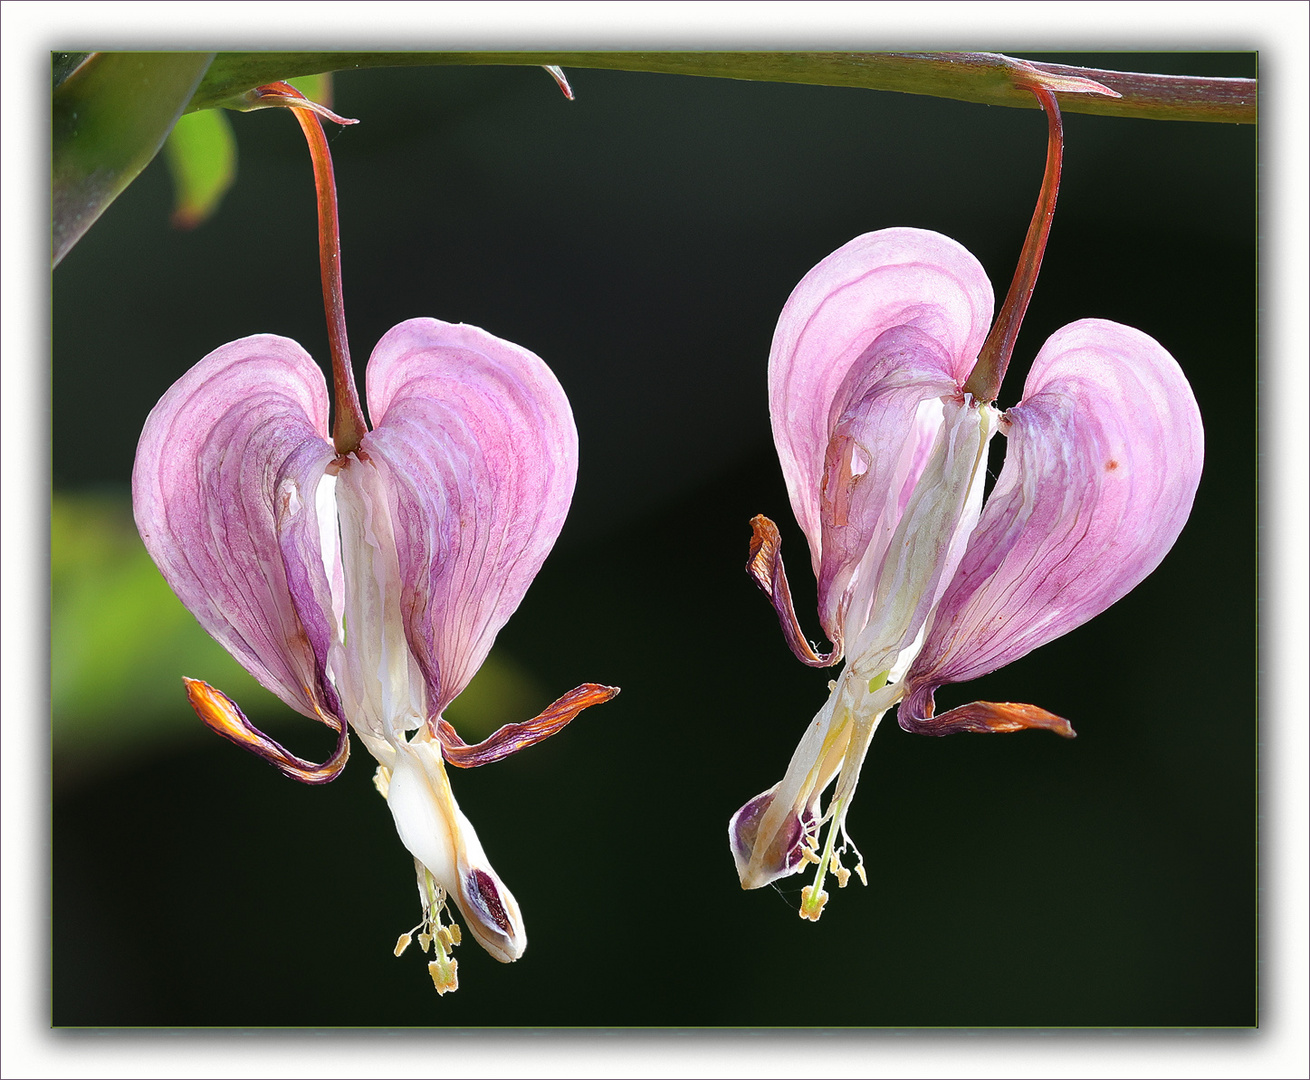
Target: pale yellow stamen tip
843, 876
443, 974
864, 878
402, 943
424, 940
808, 855
812, 903
456, 935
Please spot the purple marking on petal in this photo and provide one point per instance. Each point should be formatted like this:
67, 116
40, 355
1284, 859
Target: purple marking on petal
1104, 458
784, 854
896, 277
223, 491
477, 442
482, 891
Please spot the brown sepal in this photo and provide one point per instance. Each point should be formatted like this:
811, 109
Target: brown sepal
514, 737
221, 715
765, 568
988, 717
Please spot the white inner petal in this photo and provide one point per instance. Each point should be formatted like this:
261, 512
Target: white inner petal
381, 687
329, 533
928, 543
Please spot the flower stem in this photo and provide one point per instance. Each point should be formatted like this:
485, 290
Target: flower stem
984, 382
348, 425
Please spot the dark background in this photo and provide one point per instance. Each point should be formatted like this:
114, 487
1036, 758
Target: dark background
642, 240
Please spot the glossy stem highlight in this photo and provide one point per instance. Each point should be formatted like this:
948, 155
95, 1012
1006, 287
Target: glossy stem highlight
984, 381
348, 425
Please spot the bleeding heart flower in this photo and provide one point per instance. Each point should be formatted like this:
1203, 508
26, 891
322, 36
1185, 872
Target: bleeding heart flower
362, 576
880, 385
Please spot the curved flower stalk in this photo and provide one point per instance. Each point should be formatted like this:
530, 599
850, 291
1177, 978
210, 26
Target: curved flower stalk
881, 380
363, 579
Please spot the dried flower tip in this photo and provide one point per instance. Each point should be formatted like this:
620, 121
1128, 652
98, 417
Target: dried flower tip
561, 80
812, 903
443, 974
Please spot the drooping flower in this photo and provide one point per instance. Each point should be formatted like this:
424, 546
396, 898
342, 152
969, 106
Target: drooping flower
362, 575
882, 415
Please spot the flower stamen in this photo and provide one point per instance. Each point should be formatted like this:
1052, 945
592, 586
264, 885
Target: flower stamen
812, 896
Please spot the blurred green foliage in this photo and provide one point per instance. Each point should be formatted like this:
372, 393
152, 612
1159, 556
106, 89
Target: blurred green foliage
121, 641
202, 159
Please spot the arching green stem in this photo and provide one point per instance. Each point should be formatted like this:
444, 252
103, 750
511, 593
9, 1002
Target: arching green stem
348, 425
984, 381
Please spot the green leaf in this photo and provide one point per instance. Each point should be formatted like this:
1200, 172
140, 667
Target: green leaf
202, 156
109, 117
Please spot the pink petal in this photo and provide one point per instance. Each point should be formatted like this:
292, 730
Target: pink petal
477, 445
223, 490
874, 283
1104, 458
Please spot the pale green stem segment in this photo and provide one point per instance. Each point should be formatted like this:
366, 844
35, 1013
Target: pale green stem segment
812, 896
443, 966
985, 78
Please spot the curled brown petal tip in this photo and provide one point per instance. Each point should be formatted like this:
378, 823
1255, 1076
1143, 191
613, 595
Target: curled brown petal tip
514, 737
767, 571
987, 717
221, 714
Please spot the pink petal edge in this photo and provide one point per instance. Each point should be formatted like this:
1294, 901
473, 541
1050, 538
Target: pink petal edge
1104, 458
477, 440
223, 490
873, 283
